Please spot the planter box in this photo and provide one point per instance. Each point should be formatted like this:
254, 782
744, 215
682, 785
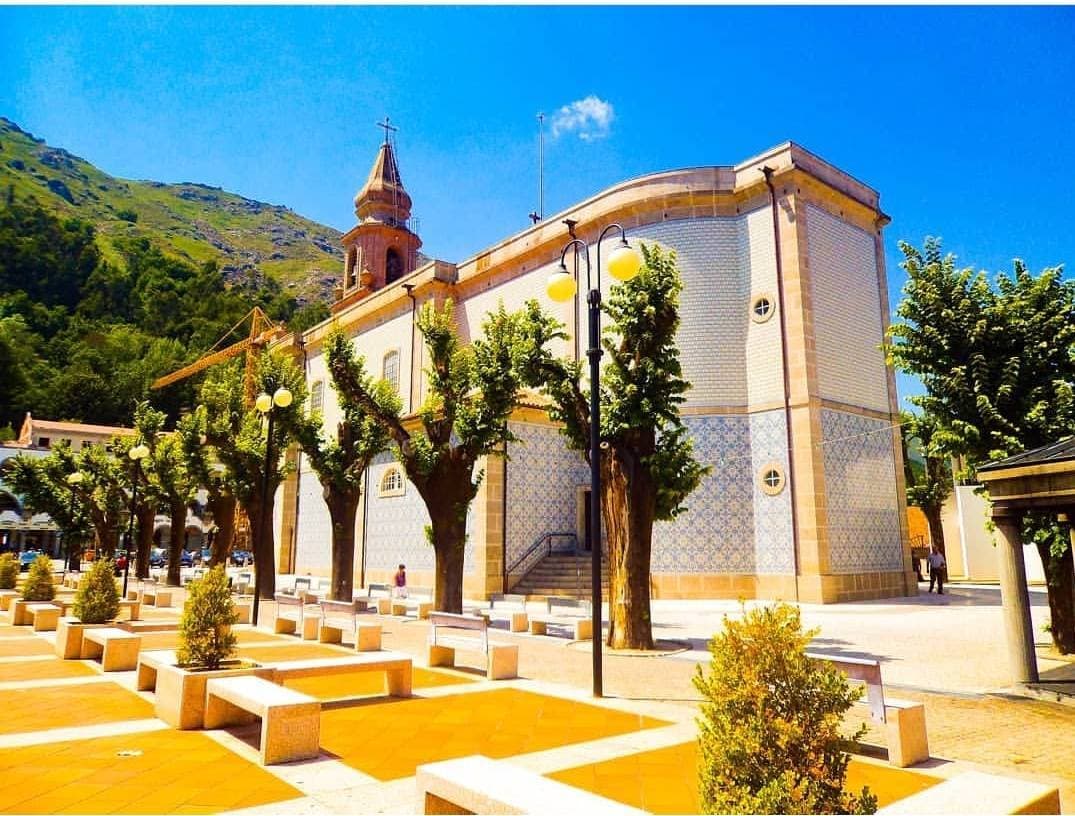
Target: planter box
69, 636
20, 615
6, 597
181, 692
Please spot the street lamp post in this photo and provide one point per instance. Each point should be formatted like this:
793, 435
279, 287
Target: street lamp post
264, 403
136, 454
623, 264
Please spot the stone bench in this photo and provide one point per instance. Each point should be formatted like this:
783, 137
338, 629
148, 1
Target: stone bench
291, 616
564, 612
45, 616
378, 597
6, 597
904, 720
419, 600
290, 720
134, 608
509, 608
117, 650
398, 669
477, 784
974, 792
449, 632
338, 617
159, 596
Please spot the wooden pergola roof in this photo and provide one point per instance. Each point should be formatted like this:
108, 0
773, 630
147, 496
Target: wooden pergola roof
1039, 479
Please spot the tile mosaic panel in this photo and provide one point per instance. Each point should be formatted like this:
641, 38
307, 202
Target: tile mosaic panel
860, 486
774, 548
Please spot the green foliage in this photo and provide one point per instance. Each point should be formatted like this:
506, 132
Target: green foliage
769, 727
205, 636
42, 484
127, 215
97, 599
9, 570
928, 486
38, 585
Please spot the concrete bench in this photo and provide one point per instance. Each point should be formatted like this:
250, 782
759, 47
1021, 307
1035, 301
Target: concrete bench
338, 617
477, 784
419, 600
154, 594
290, 720
117, 650
398, 668
291, 617
6, 597
242, 584
974, 792
449, 632
148, 665
378, 597
509, 608
45, 616
904, 721
134, 608
567, 613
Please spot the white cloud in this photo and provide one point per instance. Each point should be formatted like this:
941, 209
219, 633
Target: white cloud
591, 118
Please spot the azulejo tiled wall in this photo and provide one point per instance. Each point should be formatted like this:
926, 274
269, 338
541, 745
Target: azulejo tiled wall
314, 550
543, 477
860, 484
731, 525
395, 526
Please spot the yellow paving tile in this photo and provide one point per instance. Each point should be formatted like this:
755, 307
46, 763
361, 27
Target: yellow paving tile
43, 670
171, 772
370, 683
296, 651
497, 723
7, 631
666, 780
38, 709
170, 639
31, 646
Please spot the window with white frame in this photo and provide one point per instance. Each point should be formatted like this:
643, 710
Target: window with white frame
392, 483
317, 397
390, 368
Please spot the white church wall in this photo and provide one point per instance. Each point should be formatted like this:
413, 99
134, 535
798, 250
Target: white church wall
847, 312
314, 551
763, 361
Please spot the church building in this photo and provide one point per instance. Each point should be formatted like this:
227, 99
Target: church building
784, 308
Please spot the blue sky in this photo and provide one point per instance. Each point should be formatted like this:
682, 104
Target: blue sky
963, 118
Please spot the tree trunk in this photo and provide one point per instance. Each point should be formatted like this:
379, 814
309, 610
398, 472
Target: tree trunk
146, 514
628, 505
223, 509
1060, 581
936, 529
342, 510
177, 512
449, 540
262, 544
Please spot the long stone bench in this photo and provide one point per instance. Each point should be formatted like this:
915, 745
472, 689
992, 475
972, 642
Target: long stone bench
419, 600
290, 720
378, 597
477, 784
45, 615
338, 617
565, 612
6, 597
117, 650
157, 595
974, 792
448, 632
509, 608
292, 617
134, 608
398, 669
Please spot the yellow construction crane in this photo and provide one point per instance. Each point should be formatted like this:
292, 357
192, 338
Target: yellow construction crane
262, 332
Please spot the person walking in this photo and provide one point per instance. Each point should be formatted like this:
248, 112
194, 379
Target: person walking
400, 580
937, 566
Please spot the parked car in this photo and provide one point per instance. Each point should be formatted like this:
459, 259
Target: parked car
26, 558
185, 558
156, 557
207, 556
242, 558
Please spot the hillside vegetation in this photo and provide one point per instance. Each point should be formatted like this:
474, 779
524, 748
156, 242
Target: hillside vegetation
191, 222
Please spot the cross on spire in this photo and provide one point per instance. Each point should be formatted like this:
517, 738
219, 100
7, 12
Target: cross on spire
387, 128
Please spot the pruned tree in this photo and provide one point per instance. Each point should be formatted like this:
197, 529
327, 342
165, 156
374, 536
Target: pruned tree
340, 462
472, 392
930, 489
237, 432
101, 487
647, 466
201, 462
998, 366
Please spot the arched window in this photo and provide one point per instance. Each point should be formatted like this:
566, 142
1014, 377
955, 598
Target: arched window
351, 276
317, 397
390, 368
392, 483
393, 265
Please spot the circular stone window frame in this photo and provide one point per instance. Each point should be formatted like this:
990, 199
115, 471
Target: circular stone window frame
766, 469
765, 318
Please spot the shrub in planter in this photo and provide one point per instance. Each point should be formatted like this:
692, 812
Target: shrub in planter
205, 636
97, 599
769, 729
39, 586
9, 571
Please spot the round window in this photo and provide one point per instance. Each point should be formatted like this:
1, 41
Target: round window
772, 479
762, 308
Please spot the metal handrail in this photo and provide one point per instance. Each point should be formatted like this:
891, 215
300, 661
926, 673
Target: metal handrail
538, 550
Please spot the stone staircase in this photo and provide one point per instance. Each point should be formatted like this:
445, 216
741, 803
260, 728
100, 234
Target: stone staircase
561, 575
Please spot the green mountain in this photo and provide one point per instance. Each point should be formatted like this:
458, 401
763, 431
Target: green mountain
192, 222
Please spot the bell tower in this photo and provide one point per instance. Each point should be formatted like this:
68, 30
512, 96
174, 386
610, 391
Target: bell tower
381, 249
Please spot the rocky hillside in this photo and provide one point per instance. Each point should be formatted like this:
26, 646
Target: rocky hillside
190, 221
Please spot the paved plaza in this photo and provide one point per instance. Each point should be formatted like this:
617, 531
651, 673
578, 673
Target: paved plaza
75, 740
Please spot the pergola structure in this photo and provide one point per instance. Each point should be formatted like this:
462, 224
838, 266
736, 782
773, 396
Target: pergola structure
1039, 480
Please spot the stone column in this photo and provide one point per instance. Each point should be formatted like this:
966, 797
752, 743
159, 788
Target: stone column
1018, 629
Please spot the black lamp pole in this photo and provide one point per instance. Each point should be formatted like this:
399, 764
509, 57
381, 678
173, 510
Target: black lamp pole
594, 353
262, 519
130, 524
